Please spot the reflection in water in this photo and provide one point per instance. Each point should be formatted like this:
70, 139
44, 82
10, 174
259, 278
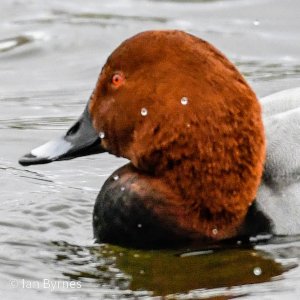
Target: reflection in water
166, 272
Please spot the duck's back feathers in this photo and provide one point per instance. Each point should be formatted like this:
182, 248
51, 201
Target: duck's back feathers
279, 192
281, 116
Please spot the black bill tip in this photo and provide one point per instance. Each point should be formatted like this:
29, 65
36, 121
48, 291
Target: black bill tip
29, 159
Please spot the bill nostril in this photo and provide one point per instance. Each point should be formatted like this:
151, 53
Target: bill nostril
73, 129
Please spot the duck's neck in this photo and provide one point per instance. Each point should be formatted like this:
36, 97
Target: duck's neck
212, 180
211, 207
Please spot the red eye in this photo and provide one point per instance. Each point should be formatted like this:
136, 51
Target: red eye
117, 79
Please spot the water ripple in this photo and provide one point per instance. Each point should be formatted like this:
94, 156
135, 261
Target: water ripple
268, 71
40, 123
90, 18
11, 43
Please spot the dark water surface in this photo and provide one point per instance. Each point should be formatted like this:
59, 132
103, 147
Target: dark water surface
50, 55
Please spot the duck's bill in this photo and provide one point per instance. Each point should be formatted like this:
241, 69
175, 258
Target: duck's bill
80, 140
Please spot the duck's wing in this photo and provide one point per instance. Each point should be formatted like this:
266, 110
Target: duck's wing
278, 196
280, 102
281, 117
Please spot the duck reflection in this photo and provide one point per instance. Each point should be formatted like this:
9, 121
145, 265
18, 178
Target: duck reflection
167, 272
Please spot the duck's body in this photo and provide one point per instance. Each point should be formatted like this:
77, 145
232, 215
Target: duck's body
192, 129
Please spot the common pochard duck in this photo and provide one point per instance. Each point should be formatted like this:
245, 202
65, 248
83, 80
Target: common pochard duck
192, 129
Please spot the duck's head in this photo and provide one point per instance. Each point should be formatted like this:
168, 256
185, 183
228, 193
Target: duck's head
180, 112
